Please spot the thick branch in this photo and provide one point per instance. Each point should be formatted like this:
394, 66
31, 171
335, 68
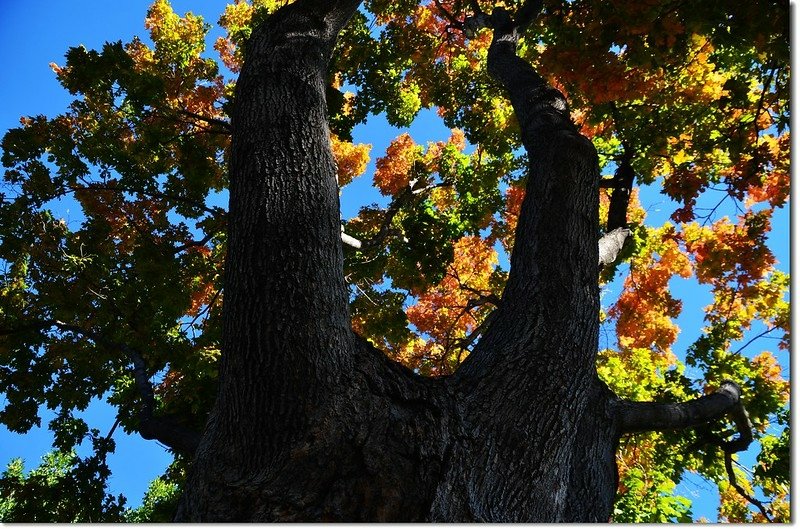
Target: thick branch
350, 240
553, 259
339, 14
622, 183
745, 429
167, 431
162, 429
652, 416
540, 108
334, 14
527, 14
743, 425
620, 197
607, 183
499, 19
649, 416
611, 244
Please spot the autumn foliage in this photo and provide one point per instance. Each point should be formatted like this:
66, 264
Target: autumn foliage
694, 95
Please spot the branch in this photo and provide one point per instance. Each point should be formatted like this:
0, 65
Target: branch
113, 429
334, 14
651, 416
743, 493
214, 210
192, 244
540, 108
213, 121
611, 244
206, 309
620, 196
527, 14
400, 200
449, 16
554, 244
764, 91
350, 241
476, 7
743, 425
466, 341
482, 299
166, 430
745, 429
622, 183
162, 429
608, 183
340, 14
501, 19
476, 23
753, 339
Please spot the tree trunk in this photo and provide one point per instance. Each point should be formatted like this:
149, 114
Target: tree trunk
542, 442
312, 422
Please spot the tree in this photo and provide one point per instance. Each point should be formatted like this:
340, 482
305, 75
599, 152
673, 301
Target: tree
494, 404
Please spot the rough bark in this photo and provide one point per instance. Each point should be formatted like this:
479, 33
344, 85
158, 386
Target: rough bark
611, 244
529, 392
309, 422
313, 423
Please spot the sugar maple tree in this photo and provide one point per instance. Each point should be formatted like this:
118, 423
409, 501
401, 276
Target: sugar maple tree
691, 97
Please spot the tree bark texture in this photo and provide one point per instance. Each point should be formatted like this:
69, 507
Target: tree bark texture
313, 423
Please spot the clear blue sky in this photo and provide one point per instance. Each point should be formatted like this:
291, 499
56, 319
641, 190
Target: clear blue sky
34, 34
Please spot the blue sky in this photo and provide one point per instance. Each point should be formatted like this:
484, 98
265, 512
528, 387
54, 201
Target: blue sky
34, 34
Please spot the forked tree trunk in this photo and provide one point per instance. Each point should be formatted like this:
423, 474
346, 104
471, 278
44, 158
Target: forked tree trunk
313, 423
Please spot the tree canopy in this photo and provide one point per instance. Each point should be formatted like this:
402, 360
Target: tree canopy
686, 99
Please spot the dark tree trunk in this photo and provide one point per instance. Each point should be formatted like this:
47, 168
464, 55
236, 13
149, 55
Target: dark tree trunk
313, 423
541, 443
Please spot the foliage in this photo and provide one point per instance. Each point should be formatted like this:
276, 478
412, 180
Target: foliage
694, 94
160, 500
63, 488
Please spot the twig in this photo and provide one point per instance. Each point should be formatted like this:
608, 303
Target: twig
739, 350
214, 121
113, 428
155, 194
207, 307
740, 489
449, 16
191, 244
